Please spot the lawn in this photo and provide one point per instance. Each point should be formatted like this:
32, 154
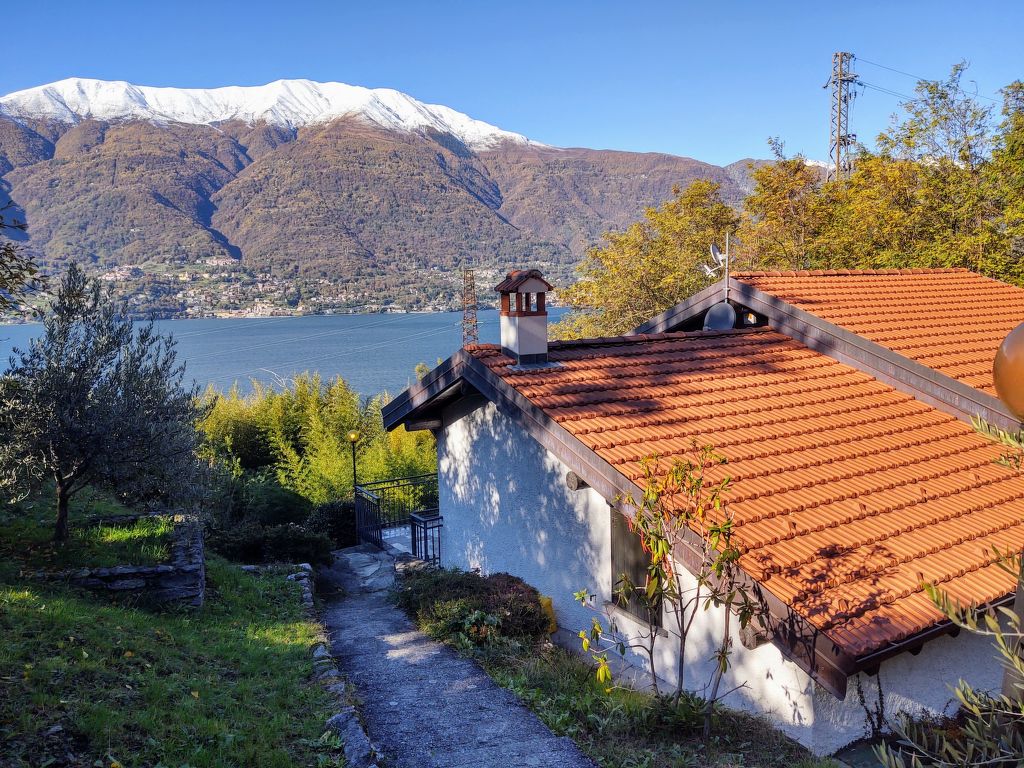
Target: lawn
26, 536
85, 681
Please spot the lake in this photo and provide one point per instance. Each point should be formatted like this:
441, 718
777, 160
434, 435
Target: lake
371, 352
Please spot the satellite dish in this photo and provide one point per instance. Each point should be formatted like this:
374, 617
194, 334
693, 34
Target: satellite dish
717, 255
721, 317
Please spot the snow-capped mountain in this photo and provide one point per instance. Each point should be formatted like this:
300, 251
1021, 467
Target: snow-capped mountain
288, 103
385, 199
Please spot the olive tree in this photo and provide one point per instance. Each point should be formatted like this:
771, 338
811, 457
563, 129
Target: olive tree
95, 401
19, 275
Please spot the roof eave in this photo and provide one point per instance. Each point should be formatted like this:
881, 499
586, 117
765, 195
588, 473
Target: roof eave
412, 407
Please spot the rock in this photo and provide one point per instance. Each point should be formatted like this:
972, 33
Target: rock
126, 584
329, 675
251, 568
306, 567
320, 651
359, 752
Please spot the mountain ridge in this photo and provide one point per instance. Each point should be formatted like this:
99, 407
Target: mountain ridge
334, 214
289, 103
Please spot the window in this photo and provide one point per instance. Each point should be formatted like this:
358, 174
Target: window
629, 558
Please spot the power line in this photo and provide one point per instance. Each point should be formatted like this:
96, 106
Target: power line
923, 79
882, 89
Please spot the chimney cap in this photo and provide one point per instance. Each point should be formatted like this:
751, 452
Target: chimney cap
524, 281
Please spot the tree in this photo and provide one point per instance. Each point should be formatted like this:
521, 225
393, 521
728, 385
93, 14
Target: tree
649, 267
1006, 178
19, 275
781, 217
97, 402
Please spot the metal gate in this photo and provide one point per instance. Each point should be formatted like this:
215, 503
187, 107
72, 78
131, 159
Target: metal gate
386, 508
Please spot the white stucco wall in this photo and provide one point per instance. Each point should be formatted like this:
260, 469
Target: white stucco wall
506, 507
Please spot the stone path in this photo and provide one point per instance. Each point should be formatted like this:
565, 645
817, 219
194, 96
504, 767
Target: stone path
424, 705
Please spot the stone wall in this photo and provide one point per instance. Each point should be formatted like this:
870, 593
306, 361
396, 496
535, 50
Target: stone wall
180, 580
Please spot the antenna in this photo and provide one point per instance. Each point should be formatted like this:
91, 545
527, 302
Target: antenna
721, 316
717, 255
470, 331
840, 139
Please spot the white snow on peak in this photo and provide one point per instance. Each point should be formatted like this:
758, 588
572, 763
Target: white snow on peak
290, 103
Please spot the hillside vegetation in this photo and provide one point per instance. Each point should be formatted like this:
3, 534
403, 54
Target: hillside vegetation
943, 188
344, 209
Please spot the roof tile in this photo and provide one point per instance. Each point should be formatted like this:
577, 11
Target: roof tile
951, 320
847, 496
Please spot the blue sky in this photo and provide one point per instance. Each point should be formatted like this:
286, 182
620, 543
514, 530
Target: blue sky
710, 80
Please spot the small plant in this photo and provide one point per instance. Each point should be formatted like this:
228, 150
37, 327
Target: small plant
680, 507
481, 628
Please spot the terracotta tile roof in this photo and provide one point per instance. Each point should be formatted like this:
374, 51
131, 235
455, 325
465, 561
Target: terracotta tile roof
951, 320
847, 495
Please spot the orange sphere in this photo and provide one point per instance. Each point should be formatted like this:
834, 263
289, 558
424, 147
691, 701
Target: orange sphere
1008, 371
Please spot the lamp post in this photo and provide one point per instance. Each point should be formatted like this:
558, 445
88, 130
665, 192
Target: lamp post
353, 438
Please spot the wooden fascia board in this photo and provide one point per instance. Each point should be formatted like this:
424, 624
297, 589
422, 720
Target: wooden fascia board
684, 310
902, 373
795, 637
419, 396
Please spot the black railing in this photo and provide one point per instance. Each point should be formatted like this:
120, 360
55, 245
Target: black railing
425, 527
385, 506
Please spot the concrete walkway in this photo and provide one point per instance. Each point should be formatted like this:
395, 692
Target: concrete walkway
424, 705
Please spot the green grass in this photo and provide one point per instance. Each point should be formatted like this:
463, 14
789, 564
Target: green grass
26, 536
227, 685
624, 728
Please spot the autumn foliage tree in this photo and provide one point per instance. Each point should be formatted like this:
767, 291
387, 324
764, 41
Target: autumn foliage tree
649, 267
944, 188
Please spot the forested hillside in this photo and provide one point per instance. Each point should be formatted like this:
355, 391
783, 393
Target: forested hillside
337, 213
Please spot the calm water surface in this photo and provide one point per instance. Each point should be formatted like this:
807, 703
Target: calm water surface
372, 352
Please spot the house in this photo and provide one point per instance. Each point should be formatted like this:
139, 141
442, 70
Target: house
842, 401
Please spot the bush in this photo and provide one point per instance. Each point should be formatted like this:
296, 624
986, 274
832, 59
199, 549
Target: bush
266, 502
337, 521
461, 607
250, 542
297, 433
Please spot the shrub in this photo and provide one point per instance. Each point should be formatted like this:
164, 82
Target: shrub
337, 521
295, 544
250, 542
266, 502
297, 433
456, 605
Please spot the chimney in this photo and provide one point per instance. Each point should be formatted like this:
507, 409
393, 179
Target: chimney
524, 318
